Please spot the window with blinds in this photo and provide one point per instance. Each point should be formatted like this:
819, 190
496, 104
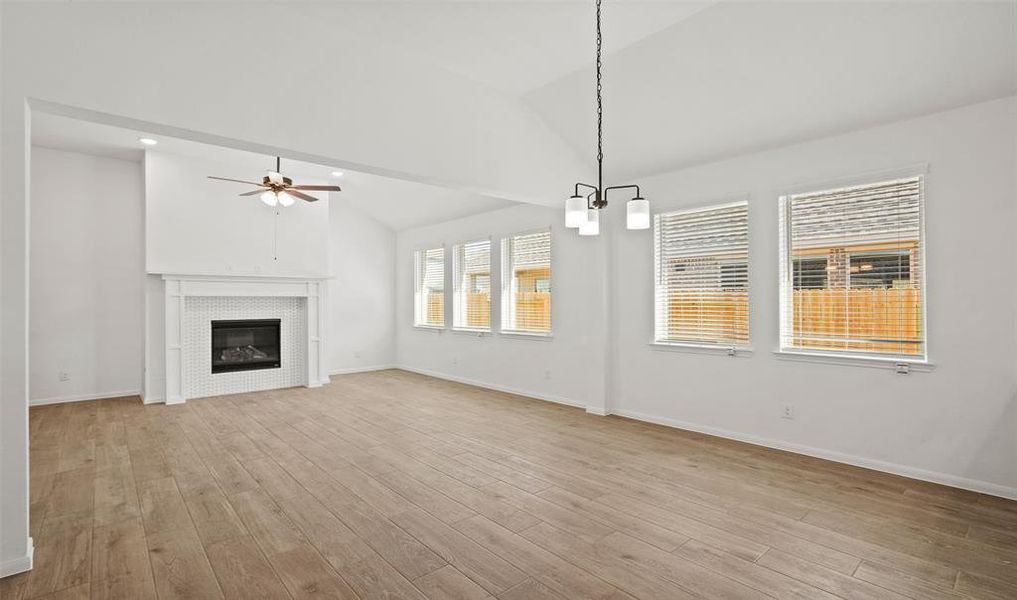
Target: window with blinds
429, 294
852, 270
526, 283
701, 284
471, 304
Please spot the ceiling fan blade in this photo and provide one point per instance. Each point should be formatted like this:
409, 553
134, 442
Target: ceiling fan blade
252, 193
316, 188
301, 195
233, 180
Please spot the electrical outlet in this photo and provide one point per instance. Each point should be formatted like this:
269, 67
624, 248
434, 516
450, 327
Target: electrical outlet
356, 354
547, 374
64, 376
455, 360
787, 412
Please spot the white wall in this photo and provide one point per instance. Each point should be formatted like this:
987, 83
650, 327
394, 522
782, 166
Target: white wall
196, 225
955, 424
86, 276
361, 293
566, 367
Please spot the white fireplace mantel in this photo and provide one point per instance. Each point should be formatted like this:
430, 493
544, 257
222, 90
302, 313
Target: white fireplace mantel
180, 287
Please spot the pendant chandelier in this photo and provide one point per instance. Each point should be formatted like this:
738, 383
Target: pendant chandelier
583, 210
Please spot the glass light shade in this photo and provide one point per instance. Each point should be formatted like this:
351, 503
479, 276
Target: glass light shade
269, 198
637, 214
275, 177
285, 199
591, 226
575, 211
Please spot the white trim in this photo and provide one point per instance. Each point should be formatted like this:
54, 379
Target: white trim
527, 335
497, 388
255, 277
702, 348
20, 564
847, 181
151, 399
82, 397
855, 360
431, 328
974, 485
367, 369
471, 332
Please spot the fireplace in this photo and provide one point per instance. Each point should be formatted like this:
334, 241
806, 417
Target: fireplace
245, 345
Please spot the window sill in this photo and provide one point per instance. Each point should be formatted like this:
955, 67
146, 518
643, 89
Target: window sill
873, 362
473, 332
431, 328
528, 335
742, 351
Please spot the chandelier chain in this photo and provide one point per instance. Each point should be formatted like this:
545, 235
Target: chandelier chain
600, 100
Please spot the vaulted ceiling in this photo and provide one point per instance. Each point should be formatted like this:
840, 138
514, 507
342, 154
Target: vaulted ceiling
498, 97
742, 76
690, 82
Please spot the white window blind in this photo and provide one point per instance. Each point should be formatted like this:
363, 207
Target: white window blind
526, 283
701, 262
472, 278
852, 270
429, 295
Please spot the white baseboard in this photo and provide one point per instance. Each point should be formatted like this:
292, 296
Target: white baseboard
351, 370
974, 485
491, 386
152, 399
83, 397
20, 564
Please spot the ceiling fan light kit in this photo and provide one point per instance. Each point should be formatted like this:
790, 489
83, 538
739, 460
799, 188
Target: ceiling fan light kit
583, 211
276, 190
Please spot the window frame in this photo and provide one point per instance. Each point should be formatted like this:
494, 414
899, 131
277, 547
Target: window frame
417, 286
695, 346
903, 364
505, 293
456, 283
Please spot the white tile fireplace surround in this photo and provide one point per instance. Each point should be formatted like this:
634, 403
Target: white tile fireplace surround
192, 302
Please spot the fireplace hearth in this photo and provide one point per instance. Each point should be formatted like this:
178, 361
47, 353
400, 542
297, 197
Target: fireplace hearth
245, 345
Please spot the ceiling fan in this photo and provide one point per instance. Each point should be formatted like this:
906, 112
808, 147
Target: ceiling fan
275, 189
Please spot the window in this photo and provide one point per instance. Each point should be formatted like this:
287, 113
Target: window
851, 262
526, 285
429, 296
472, 299
701, 283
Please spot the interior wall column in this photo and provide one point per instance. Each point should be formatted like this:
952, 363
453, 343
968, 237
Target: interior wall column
15, 543
602, 354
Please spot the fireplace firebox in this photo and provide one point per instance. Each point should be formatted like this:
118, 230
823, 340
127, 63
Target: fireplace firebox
245, 345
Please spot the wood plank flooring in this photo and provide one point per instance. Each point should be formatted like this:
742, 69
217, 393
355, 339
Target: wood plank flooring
395, 485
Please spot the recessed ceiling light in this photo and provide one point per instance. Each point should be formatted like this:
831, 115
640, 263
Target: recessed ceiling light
148, 141
337, 173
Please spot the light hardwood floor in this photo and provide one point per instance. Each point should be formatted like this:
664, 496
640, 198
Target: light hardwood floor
394, 485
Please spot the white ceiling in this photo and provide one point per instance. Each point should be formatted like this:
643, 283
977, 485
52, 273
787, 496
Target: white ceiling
395, 203
513, 46
742, 76
685, 82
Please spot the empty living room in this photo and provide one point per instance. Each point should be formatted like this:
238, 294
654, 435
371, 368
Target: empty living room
508, 299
